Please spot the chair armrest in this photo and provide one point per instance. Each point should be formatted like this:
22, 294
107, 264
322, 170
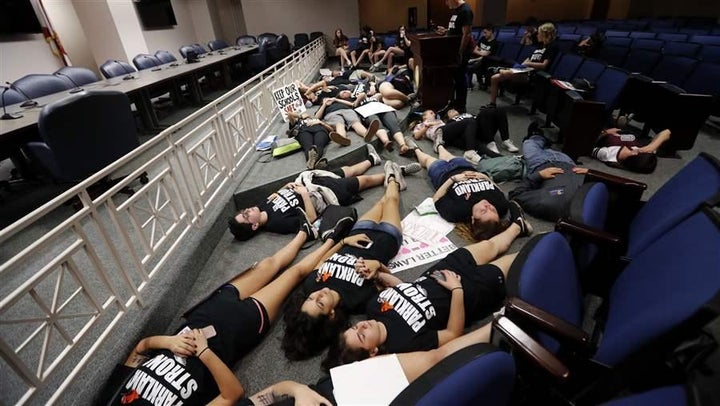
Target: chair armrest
529, 347
594, 235
574, 96
629, 188
543, 75
518, 309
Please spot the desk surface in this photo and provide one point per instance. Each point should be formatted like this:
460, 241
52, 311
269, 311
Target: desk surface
141, 80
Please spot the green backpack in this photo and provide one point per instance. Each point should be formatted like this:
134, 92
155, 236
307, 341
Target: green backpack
502, 168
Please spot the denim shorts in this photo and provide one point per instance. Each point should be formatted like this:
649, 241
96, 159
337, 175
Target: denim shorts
441, 170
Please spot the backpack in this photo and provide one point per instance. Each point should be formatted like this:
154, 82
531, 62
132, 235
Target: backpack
503, 168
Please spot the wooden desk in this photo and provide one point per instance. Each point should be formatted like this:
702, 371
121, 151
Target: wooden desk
435, 59
136, 88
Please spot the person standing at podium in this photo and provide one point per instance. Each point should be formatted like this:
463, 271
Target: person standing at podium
460, 24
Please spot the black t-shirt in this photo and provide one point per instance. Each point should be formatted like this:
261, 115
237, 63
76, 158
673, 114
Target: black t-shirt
338, 273
282, 218
488, 45
461, 16
409, 314
456, 205
546, 53
167, 379
363, 42
322, 95
337, 106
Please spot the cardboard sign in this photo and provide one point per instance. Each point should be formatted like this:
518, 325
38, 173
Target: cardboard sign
288, 99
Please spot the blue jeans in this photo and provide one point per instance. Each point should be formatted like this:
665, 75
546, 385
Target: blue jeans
536, 155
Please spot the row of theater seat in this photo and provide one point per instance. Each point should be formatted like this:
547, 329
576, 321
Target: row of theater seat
653, 268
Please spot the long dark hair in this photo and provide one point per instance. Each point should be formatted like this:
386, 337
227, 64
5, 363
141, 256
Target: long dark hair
307, 336
340, 354
342, 39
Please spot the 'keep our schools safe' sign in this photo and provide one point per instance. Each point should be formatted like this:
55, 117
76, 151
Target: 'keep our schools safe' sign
288, 99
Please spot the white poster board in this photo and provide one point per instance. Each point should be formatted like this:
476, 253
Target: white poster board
368, 109
415, 253
287, 98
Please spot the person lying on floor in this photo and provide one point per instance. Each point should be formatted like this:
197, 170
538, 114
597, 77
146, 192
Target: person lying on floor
466, 286
389, 127
194, 365
551, 180
625, 151
412, 365
467, 197
338, 112
318, 310
277, 212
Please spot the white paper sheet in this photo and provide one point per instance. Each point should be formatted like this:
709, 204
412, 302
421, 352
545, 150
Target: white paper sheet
374, 381
373, 108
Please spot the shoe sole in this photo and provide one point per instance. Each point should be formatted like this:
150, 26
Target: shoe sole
339, 139
372, 129
411, 168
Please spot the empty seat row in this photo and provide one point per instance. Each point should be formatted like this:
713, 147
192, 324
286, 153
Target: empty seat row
37, 85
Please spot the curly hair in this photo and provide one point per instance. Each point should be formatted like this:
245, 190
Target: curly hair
340, 354
307, 336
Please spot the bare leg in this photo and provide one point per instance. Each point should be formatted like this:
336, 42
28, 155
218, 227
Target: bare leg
495, 81
357, 169
396, 104
254, 279
375, 212
444, 154
273, 295
391, 208
388, 91
505, 262
359, 128
424, 159
415, 364
485, 251
390, 60
368, 181
353, 56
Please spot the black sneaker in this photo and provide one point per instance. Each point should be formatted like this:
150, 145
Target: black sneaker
306, 225
337, 221
517, 216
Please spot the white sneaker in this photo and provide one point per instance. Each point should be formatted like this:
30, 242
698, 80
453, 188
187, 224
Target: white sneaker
508, 144
493, 147
472, 156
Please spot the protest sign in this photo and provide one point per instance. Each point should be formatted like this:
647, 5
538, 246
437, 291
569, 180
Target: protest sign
287, 98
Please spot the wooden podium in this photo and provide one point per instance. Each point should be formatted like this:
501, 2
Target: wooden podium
436, 56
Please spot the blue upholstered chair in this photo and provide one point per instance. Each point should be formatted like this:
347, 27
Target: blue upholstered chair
616, 33
37, 85
245, 40
675, 395
185, 49
585, 30
658, 301
146, 61
672, 36
648, 44
617, 42
79, 75
479, 374
641, 60
614, 56
113, 68
300, 40
269, 36
642, 34
165, 56
216, 44
11, 97
83, 133
688, 49
709, 53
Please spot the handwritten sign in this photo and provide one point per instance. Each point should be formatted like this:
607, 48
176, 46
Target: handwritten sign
288, 99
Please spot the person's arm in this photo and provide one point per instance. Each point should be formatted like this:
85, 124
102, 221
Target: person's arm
181, 344
419, 131
456, 320
321, 111
440, 30
443, 189
359, 99
282, 390
351, 241
307, 201
534, 181
386, 280
465, 40
230, 388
